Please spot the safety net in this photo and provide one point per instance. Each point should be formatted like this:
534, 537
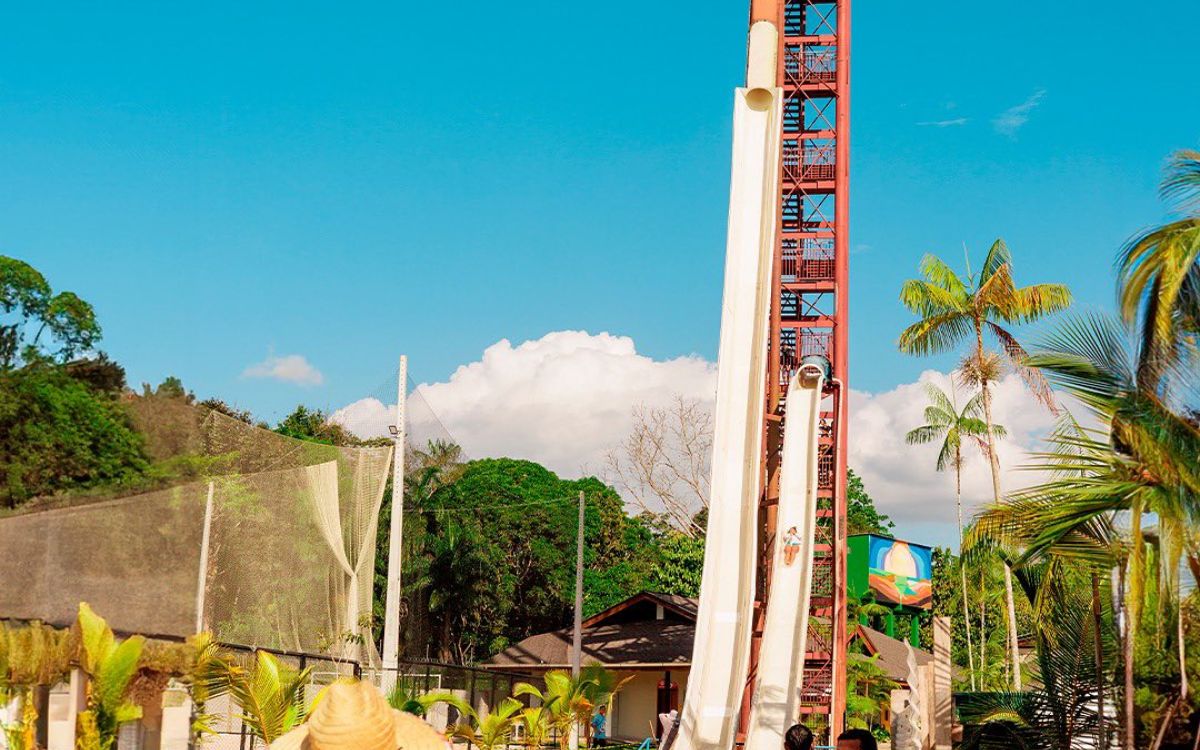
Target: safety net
264, 540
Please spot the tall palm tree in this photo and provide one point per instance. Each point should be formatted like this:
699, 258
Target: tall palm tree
953, 311
944, 421
1143, 459
1160, 274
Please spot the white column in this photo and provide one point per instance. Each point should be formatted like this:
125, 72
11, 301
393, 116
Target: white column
391, 621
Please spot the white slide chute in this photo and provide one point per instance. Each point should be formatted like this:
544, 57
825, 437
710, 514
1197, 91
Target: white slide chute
721, 654
775, 702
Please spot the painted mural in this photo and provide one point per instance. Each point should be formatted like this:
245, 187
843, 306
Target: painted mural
900, 573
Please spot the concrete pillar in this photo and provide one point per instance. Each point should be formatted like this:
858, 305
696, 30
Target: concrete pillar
175, 731
942, 698
65, 703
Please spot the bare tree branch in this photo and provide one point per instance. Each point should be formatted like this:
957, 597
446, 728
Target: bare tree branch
662, 467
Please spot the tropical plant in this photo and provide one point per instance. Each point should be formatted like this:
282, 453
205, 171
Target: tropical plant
1063, 711
1160, 275
944, 421
492, 730
952, 311
405, 697
868, 691
535, 723
569, 701
207, 677
270, 696
1141, 459
110, 667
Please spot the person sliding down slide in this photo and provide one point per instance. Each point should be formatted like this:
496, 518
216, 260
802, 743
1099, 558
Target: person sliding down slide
775, 703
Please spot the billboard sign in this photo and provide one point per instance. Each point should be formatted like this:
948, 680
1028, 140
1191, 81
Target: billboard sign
899, 572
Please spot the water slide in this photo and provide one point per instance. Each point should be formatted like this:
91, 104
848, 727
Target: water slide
721, 652
775, 702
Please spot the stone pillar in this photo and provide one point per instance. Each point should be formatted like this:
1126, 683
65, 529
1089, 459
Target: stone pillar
943, 710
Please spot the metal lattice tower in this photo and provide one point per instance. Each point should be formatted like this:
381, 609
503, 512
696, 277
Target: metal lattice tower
809, 316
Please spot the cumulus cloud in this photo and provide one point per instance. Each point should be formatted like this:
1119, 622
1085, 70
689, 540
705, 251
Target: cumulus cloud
562, 400
1012, 119
902, 478
565, 399
290, 368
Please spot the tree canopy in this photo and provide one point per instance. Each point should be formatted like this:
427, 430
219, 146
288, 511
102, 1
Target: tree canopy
35, 322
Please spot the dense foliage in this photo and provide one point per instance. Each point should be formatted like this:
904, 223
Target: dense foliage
490, 556
60, 433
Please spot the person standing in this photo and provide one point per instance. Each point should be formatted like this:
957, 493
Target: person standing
599, 733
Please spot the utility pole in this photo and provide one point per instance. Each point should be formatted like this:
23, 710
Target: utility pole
391, 618
577, 636
577, 633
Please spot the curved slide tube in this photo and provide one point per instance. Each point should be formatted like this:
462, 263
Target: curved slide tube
721, 655
775, 702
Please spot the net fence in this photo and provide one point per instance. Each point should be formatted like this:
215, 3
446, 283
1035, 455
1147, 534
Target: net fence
262, 539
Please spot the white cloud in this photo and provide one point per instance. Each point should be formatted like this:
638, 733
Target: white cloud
290, 368
562, 400
565, 399
1012, 119
902, 477
945, 123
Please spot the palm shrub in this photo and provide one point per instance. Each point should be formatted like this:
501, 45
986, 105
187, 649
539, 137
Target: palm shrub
535, 723
270, 696
492, 730
110, 667
207, 676
567, 699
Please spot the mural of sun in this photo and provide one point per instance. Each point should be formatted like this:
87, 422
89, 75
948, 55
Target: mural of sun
899, 573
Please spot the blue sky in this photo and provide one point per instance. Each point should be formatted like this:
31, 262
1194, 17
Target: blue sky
348, 181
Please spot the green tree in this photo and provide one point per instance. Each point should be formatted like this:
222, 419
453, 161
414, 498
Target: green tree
944, 421
314, 425
678, 563
1062, 711
59, 434
862, 517
868, 691
953, 311
490, 556
35, 322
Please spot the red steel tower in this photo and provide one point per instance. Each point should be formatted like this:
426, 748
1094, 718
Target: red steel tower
809, 316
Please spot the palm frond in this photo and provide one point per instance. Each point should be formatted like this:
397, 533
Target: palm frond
1181, 183
935, 334
1038, 301
926, 298
998, 256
